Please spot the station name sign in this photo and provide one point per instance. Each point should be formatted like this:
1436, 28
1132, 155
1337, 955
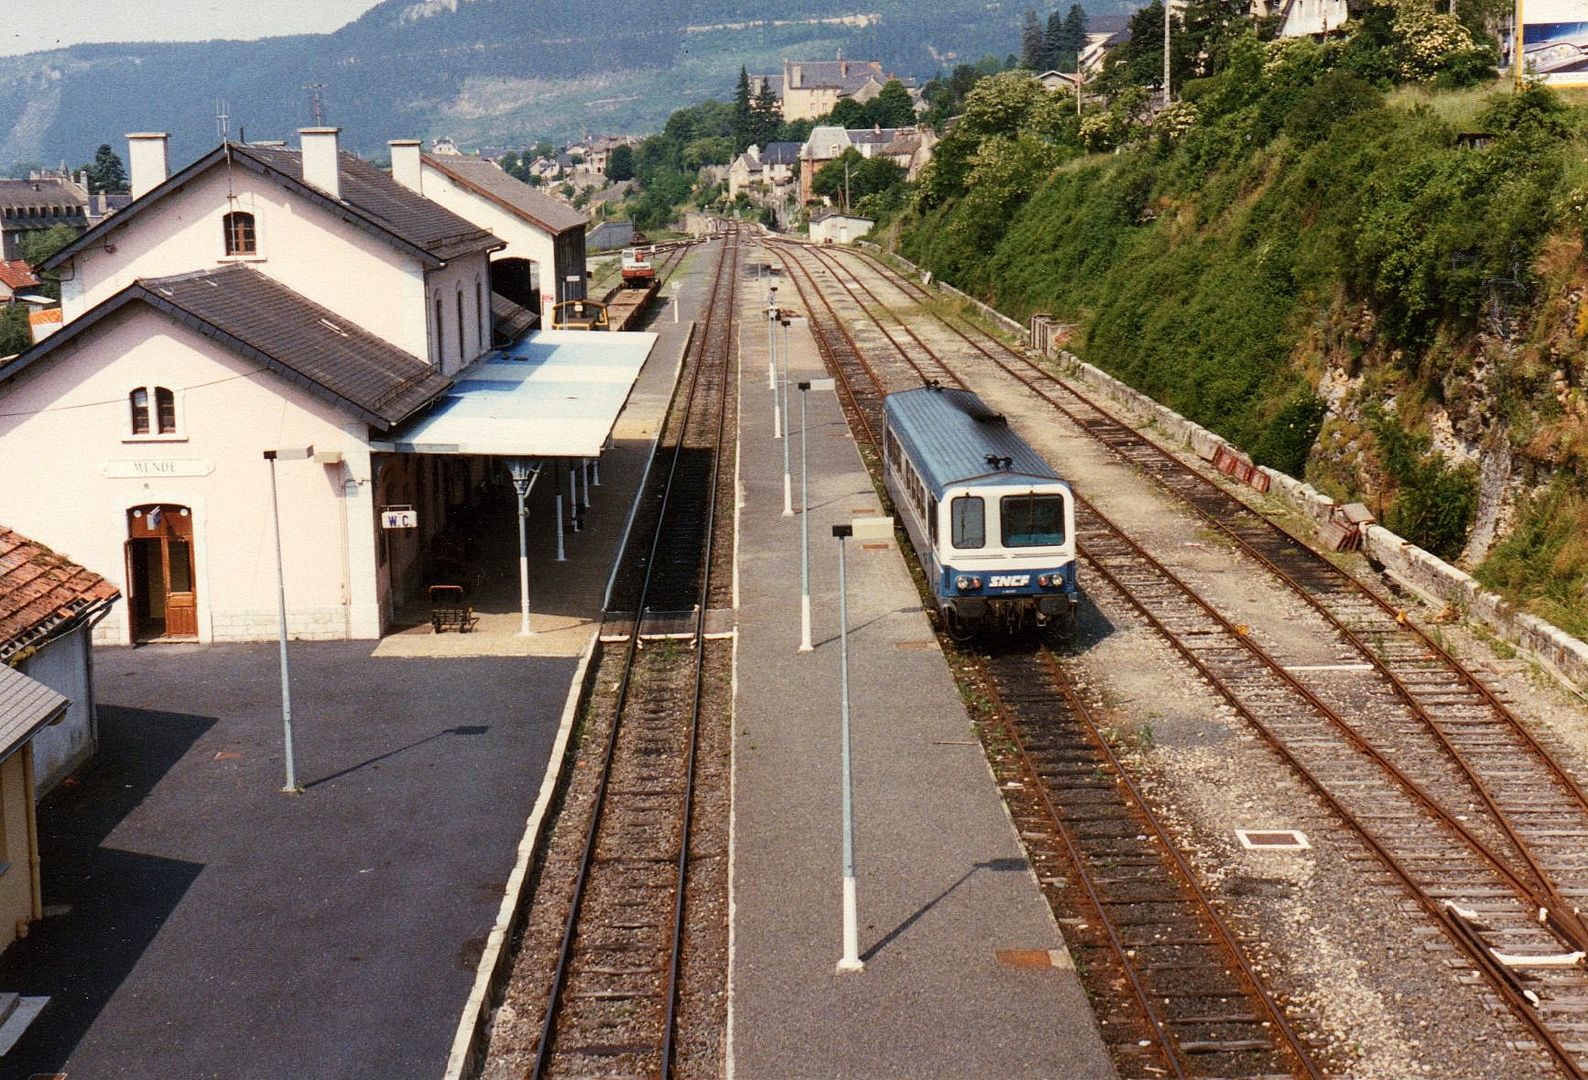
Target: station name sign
145, 468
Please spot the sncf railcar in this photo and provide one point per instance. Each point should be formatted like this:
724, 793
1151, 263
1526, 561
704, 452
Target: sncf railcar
992, 523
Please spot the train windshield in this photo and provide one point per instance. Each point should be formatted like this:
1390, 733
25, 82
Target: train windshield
969, 515
1032, 520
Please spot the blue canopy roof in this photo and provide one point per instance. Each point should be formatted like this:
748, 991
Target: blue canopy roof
556, 393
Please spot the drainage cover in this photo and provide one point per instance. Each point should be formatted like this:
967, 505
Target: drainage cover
1273, 839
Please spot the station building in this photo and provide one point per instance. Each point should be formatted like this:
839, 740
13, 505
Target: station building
542, 261
245, 344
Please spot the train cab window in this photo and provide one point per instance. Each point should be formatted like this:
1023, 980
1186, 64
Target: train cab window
931, 521
1031, 520
969, 516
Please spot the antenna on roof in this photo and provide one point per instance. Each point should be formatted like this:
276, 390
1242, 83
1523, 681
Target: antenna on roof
223, 120
316, 102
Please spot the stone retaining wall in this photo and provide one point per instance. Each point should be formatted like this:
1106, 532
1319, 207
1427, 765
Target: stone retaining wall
1409, 564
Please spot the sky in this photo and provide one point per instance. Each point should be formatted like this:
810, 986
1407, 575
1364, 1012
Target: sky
68, 22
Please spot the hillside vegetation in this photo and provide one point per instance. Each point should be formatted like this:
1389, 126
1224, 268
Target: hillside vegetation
1310, 254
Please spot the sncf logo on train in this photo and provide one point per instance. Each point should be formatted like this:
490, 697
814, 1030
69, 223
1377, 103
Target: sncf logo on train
1007, 581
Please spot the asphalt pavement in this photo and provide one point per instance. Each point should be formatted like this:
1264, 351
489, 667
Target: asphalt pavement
201, 923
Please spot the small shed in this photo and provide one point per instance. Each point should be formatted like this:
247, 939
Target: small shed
834, 227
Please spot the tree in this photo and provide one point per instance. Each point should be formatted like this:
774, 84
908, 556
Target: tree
1065, 39
107, 174
858, 178
849, 113
892, 107
743, 136
1031, 41
37, 247
766, 116
509, 164
620, 163
15, 334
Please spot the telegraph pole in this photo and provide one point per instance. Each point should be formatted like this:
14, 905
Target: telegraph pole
1166, 53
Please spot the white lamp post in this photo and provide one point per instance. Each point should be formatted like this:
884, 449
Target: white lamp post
805, 517
294, 454
524, 473
850, 961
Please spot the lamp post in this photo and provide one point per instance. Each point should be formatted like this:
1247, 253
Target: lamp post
788, 486
771, 364
805, 517
294, 454
850, 961
524, 474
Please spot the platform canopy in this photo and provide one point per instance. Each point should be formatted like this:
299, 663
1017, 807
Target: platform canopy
556, 393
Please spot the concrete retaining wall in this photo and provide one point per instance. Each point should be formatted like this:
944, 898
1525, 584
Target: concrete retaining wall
1418, 570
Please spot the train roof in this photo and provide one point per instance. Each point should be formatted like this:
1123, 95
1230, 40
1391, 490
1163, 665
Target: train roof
951, 433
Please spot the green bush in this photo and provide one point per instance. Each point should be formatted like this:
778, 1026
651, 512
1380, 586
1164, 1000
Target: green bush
1434, 503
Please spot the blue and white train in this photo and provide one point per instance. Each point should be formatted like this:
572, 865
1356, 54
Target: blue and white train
993, 524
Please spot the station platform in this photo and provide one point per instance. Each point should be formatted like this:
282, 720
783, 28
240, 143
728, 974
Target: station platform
966, 973
566, 597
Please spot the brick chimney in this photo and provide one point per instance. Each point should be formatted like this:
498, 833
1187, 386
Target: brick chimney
405, 166
320, 166
147, 161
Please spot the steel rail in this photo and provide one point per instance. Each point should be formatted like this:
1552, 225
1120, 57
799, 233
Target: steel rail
543, 1052
1545, 890
1464, 938
1173, 1057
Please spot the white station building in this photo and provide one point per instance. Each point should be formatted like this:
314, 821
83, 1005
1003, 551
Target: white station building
292, 329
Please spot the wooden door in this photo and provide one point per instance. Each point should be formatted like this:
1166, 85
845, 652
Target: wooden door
162, 600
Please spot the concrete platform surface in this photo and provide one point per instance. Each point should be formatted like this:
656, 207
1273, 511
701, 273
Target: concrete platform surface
943, 884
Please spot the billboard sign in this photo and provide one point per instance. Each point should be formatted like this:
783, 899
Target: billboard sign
1554, 41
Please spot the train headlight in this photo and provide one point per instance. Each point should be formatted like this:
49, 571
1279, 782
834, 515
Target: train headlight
1045, 580
966, 583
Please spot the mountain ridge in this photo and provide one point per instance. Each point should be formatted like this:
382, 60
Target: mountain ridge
482, 71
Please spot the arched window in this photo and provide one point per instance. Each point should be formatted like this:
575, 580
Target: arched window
240, 236
463, 348
164, 415
479, 314
140, 410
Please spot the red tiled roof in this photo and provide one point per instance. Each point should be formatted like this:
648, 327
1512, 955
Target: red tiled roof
44, 316
41, 592
17, 274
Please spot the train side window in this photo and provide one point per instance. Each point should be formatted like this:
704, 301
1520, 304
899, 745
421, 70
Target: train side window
1031, 520
931, 520
969, 516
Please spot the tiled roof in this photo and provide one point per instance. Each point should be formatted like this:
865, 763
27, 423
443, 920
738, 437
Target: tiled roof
370, 200
42, 593
421, 221
17, 274
490, 181
58, 197
264, 321
781, 153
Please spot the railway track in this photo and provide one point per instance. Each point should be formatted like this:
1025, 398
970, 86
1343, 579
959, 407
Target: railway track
613, 1004
1474, 819
1200, 1008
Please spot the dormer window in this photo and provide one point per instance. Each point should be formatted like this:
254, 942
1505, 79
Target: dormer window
240, 236
162, 415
